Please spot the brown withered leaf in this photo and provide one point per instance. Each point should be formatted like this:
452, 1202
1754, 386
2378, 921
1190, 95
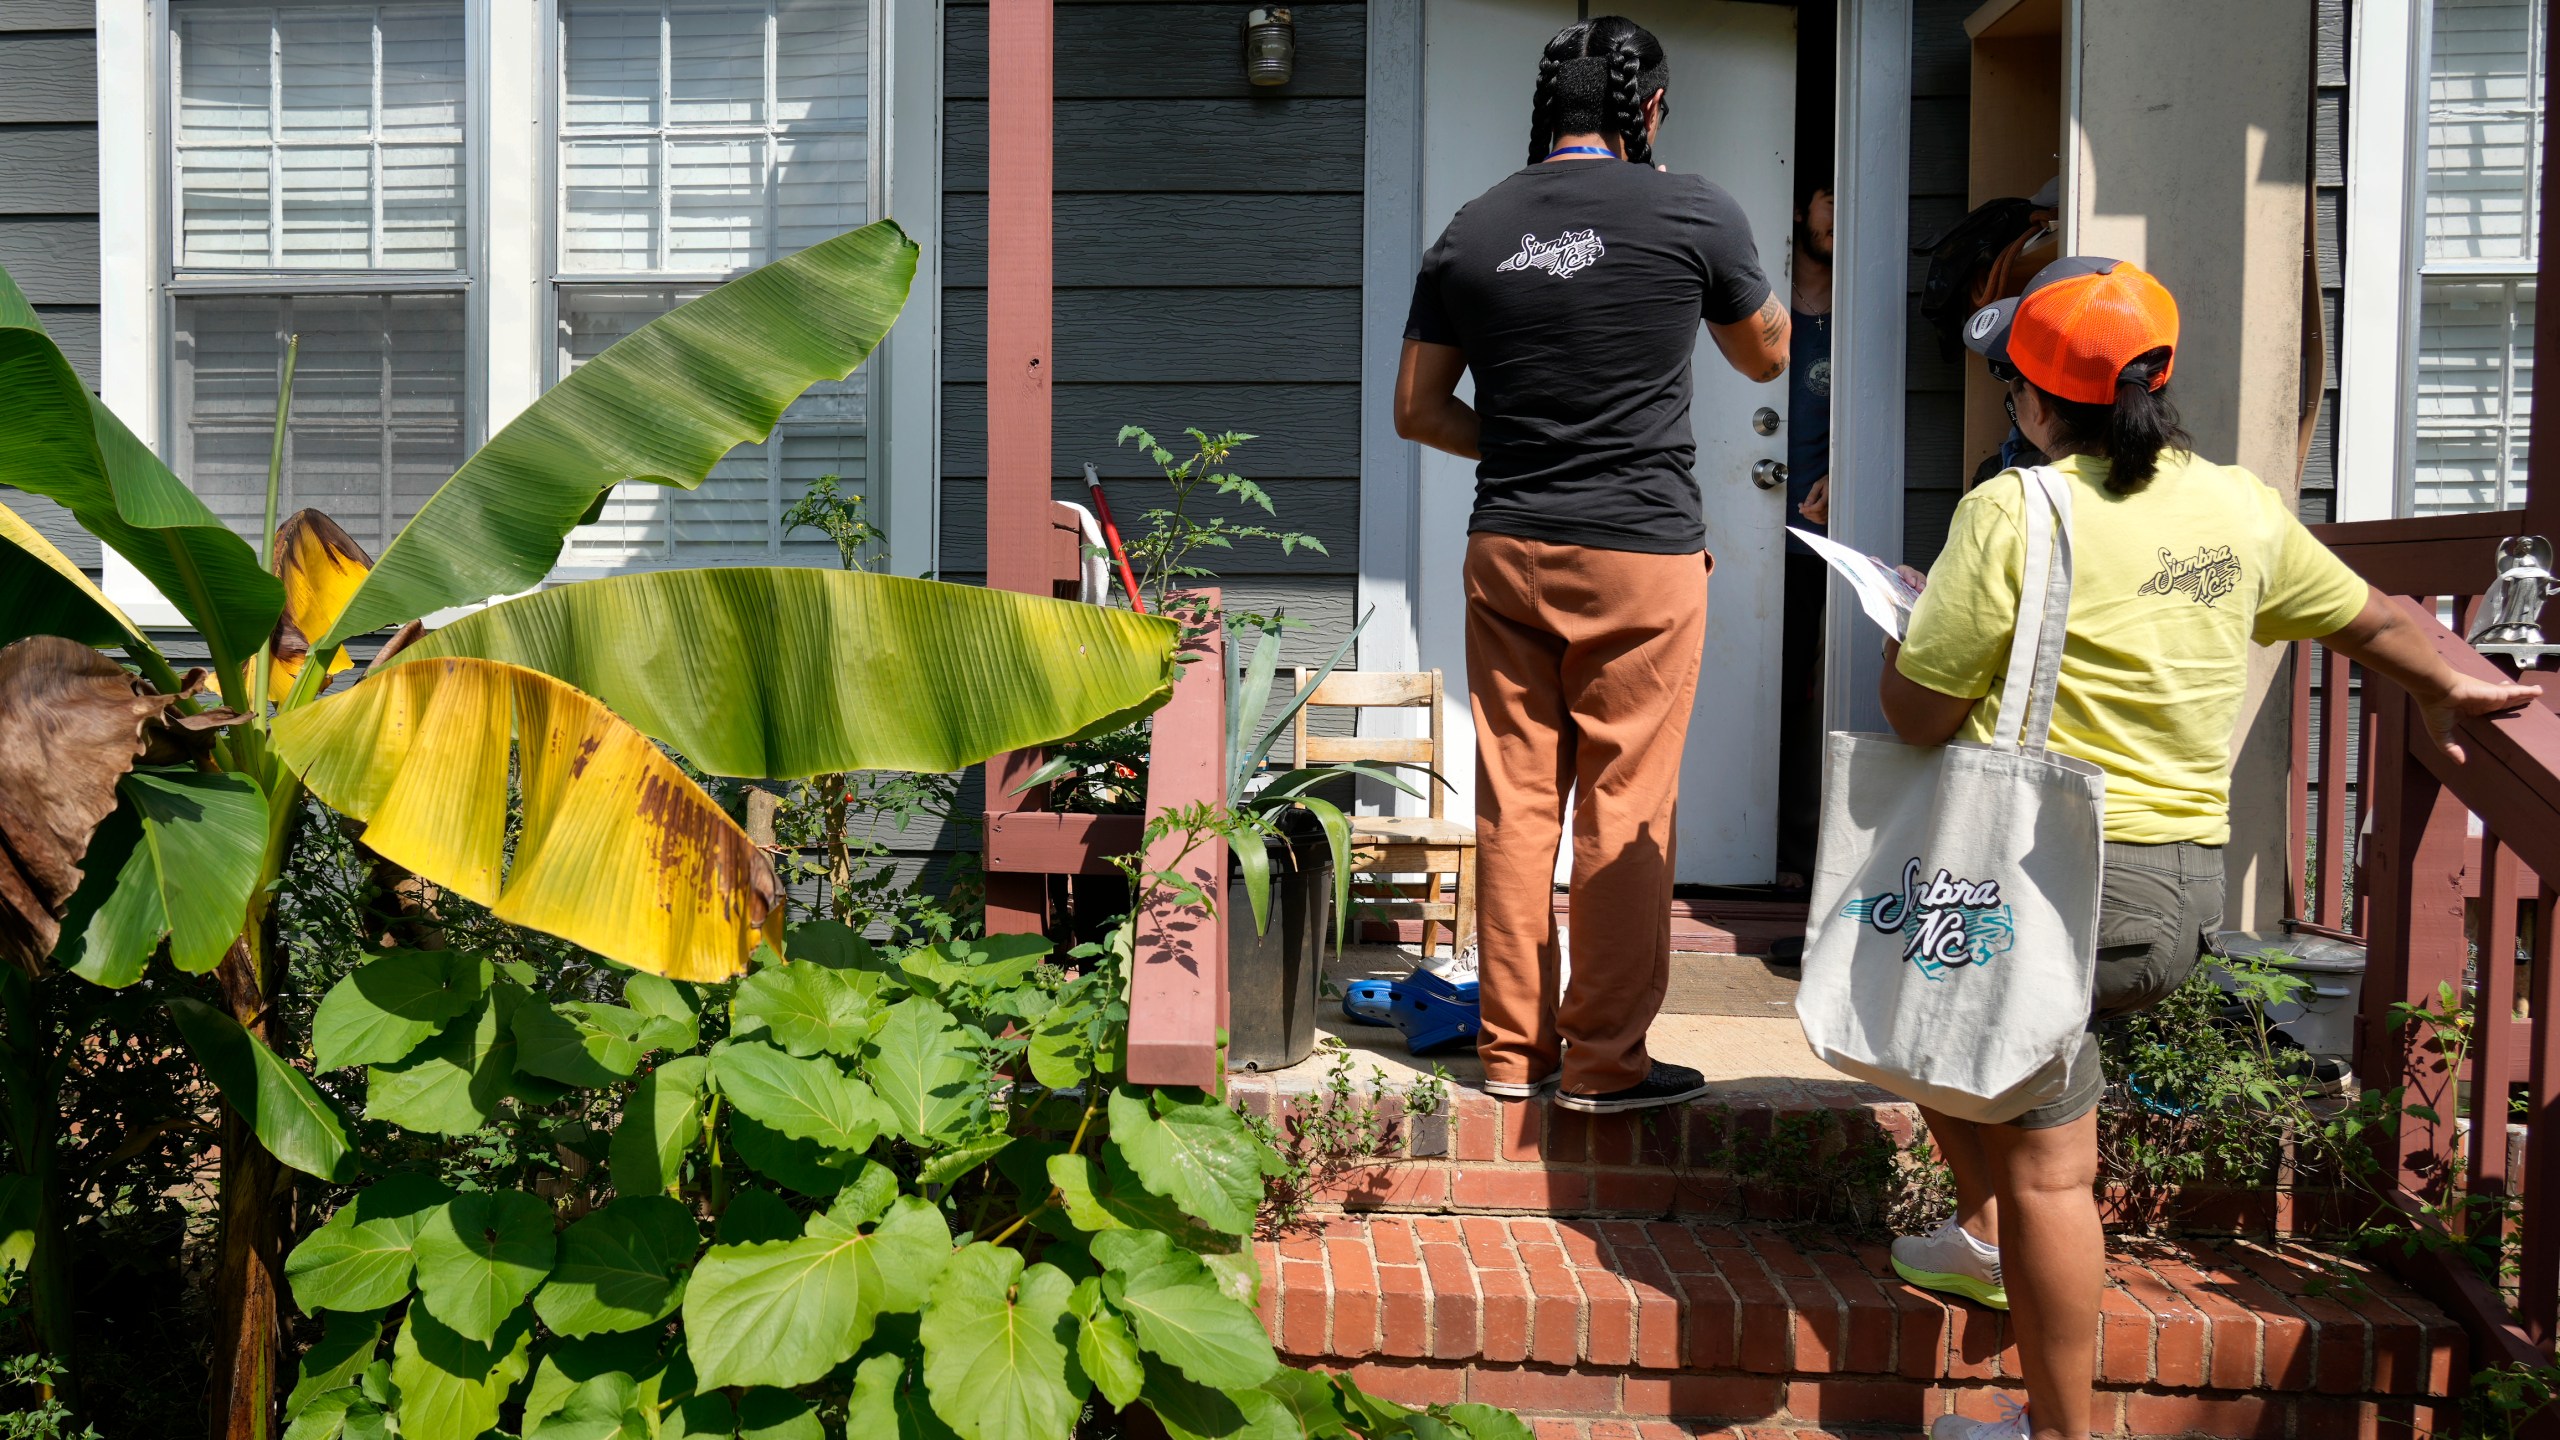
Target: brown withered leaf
72, 722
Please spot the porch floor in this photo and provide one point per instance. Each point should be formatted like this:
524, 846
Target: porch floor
1731, 1016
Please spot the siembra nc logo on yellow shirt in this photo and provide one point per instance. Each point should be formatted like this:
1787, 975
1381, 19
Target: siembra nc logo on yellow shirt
2204, 577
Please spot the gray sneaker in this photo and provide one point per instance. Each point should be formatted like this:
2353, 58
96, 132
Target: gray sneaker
1520, 1089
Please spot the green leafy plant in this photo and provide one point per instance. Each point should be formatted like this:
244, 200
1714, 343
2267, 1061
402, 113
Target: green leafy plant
860, 545
1344, 1127
892, 1191
1167, 553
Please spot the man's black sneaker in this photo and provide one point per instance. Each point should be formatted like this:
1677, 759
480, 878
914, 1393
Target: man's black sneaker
1663, 1085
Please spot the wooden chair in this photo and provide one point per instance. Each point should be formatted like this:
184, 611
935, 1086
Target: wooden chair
1388, 845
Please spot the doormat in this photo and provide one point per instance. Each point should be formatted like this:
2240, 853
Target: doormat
1730, 985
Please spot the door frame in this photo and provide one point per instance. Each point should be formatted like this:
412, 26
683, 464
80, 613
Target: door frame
1871, 163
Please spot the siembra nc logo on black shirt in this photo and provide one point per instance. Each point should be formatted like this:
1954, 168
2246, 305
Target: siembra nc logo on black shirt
1563, 257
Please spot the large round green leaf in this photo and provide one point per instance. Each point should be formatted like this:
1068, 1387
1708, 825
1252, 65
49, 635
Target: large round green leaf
1183, 1316
450, 1385
808, 1009
387, 1007
786, 1313
481, 1255
620, 1268
452, 1084
362, 1259
62, 442
293, 1120
804, 1099
995, 1348
784, 672
1195, 1153
923, 1074
660, 1121
662, 404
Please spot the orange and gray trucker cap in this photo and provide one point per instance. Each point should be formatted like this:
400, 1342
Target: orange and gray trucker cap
2080, 322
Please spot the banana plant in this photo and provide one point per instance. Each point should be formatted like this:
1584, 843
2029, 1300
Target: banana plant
562, 697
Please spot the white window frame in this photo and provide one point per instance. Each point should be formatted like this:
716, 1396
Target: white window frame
2386, 264
509, 152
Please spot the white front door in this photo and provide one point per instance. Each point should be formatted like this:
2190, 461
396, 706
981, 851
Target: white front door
1732, 121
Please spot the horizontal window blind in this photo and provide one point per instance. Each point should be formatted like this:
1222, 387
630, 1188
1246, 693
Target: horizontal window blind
377, 404
318, 137
698, 138
2471, 405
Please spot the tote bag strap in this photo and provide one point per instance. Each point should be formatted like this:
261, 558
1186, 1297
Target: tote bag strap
2044, 613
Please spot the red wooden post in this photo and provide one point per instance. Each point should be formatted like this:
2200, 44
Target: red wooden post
2300, 846
2493, 1027
1178, 987
1019, 167
2415, 935
2538, 1286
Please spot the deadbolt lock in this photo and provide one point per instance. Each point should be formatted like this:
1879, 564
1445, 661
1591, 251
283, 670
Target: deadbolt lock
1765, 420
1769, 474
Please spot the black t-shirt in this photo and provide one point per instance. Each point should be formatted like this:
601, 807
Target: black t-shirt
1575, 289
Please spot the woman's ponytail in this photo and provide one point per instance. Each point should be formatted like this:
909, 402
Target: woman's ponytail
2131, 432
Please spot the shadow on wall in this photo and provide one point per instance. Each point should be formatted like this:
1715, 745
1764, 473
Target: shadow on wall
2195, 164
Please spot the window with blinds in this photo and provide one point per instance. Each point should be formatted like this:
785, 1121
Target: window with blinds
317, 161
696, 139
2472, 400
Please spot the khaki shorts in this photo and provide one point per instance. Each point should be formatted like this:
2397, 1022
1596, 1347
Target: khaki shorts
2157, 917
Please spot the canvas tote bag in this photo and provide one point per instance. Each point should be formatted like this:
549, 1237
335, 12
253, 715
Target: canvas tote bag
1952, 940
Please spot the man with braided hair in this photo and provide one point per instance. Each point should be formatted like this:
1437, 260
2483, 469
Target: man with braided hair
1573, 291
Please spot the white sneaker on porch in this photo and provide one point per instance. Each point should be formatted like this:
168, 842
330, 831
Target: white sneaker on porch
1950, 1259
2012, 1425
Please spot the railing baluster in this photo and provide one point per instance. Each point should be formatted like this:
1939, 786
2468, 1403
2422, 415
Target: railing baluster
2493, 1008
2416, 872
2539, 1281
2337, 815
2299, 843
2369, 737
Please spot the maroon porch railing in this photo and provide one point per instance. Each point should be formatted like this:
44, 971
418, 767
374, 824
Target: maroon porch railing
2385, 850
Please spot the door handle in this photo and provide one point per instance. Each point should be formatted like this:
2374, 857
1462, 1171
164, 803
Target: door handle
1768, 474
1765, 420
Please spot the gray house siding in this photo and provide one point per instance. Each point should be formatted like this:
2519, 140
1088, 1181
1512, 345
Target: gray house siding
1206, 253
49, 199
1933, 388
2329, 234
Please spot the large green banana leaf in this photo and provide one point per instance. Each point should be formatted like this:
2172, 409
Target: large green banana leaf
59, 441
43, 593
662, 404
784, 672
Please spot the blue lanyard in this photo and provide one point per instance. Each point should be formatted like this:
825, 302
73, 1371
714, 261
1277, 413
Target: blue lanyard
1581, 150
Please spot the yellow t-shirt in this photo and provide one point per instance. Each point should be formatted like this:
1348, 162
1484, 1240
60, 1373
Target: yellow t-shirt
2169, 587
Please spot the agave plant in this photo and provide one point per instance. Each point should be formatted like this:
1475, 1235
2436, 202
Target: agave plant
513, 757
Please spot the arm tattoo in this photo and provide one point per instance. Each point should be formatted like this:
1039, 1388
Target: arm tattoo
1773, 321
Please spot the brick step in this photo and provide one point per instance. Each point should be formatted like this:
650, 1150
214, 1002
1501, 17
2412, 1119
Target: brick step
1592, 1326
1767, 1148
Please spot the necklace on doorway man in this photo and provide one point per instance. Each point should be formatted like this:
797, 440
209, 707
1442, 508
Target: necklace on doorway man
1581, 150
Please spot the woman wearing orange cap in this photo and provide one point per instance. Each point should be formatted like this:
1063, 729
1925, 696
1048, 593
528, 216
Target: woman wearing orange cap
2185, 564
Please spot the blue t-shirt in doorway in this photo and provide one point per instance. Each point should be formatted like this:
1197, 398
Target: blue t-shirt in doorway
1808, 417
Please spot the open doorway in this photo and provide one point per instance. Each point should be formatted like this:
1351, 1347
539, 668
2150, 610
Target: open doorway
1809, 265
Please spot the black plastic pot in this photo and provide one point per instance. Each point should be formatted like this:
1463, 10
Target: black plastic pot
1274, 978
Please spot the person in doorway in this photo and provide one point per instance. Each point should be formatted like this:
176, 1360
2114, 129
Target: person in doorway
1573, 291
2197, 562
1809, 505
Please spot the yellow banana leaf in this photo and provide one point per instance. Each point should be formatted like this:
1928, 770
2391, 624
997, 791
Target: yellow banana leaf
618, 851
321, 567
778, 673
51, 596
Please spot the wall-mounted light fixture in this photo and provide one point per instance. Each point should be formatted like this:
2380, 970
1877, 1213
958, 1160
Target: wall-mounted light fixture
1270, 45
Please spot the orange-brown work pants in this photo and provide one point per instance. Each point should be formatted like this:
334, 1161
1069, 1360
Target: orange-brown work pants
1582, 667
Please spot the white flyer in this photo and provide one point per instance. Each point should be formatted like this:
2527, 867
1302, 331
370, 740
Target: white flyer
1882, 592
